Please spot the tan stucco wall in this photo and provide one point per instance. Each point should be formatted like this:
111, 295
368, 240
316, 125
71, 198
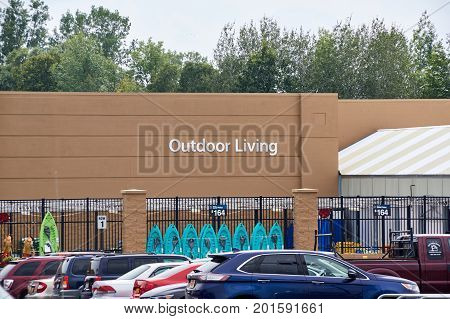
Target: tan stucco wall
62, 145
360, 118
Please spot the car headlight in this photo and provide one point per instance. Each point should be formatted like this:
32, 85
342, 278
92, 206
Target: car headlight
412, 287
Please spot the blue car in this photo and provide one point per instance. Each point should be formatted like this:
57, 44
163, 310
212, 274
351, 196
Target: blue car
287, 274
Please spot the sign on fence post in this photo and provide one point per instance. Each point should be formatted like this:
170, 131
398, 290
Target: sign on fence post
101, 222
382, 210
218, 210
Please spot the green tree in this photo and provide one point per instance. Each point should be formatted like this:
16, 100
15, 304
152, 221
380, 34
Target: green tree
108, 28
35, 73
83, 67
387, 67
197, 74
37, 29
431, 62
13, 27
155, 68
290, 50
10, 70
260, 71
436, 75
324, 70
295, 56
128, 84
227, 60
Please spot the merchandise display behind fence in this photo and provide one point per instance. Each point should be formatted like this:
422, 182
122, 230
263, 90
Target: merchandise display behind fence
182, 211
362, 224
76, 220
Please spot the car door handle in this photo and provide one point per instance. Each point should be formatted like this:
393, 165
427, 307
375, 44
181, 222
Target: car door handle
316, 282
263, 281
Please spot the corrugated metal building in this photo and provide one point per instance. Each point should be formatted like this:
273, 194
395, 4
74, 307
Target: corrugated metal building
398, 162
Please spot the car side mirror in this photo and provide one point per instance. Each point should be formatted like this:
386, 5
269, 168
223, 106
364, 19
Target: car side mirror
352, 274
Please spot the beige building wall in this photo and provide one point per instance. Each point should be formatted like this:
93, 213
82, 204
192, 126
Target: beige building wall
360, 118
71, 145
62, 145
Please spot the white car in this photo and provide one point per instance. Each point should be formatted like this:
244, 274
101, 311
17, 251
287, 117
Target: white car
4, 294
122, 287
40, 289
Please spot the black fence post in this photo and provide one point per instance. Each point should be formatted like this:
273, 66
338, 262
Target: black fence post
342, 224
448, 220
331, 246
260, 208
424, 215
408, 215
255, 215
96, 231
176, 211
10, 224
62, 230
102, 239
285, 226
217, 225
42, 208
383, 228
87, 225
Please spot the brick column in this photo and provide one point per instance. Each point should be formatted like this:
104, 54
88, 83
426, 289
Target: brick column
305, 218
134, 225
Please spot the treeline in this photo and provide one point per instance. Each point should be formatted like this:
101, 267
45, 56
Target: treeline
88, 52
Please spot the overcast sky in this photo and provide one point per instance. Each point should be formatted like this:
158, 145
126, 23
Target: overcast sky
195, 25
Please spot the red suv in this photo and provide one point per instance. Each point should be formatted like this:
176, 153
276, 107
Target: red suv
34, 268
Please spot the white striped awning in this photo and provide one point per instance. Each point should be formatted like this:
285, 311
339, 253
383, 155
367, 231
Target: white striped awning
406, 151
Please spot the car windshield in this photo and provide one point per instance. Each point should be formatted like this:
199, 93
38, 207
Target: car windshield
4, 272
62, 269
134, 273
208, 267
94, 267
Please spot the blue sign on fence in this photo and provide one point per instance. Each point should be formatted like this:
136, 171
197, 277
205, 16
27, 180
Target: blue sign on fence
382, 210
218, 210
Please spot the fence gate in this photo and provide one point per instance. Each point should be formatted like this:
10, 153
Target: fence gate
76, 220
182, 211
362, 224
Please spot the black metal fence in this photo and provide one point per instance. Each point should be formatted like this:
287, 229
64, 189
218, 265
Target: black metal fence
76, 220
250, 211
358, 226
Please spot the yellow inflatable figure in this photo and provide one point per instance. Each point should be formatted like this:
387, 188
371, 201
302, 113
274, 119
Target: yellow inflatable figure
27, 247
7, 244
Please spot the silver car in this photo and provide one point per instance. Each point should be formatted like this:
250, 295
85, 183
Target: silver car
122, 287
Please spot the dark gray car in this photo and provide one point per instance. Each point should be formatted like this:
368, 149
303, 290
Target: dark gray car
176, 291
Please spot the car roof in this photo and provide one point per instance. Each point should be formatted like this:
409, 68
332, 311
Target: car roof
274, 251
44, 258
431, 235
144, 255
78, 253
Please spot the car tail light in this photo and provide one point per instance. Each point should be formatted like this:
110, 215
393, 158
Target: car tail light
41, 287
65, 283
7, 283
104, 290
140, 287
213, 277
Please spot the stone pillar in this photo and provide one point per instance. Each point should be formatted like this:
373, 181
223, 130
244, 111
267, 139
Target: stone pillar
134, 221
305, 218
